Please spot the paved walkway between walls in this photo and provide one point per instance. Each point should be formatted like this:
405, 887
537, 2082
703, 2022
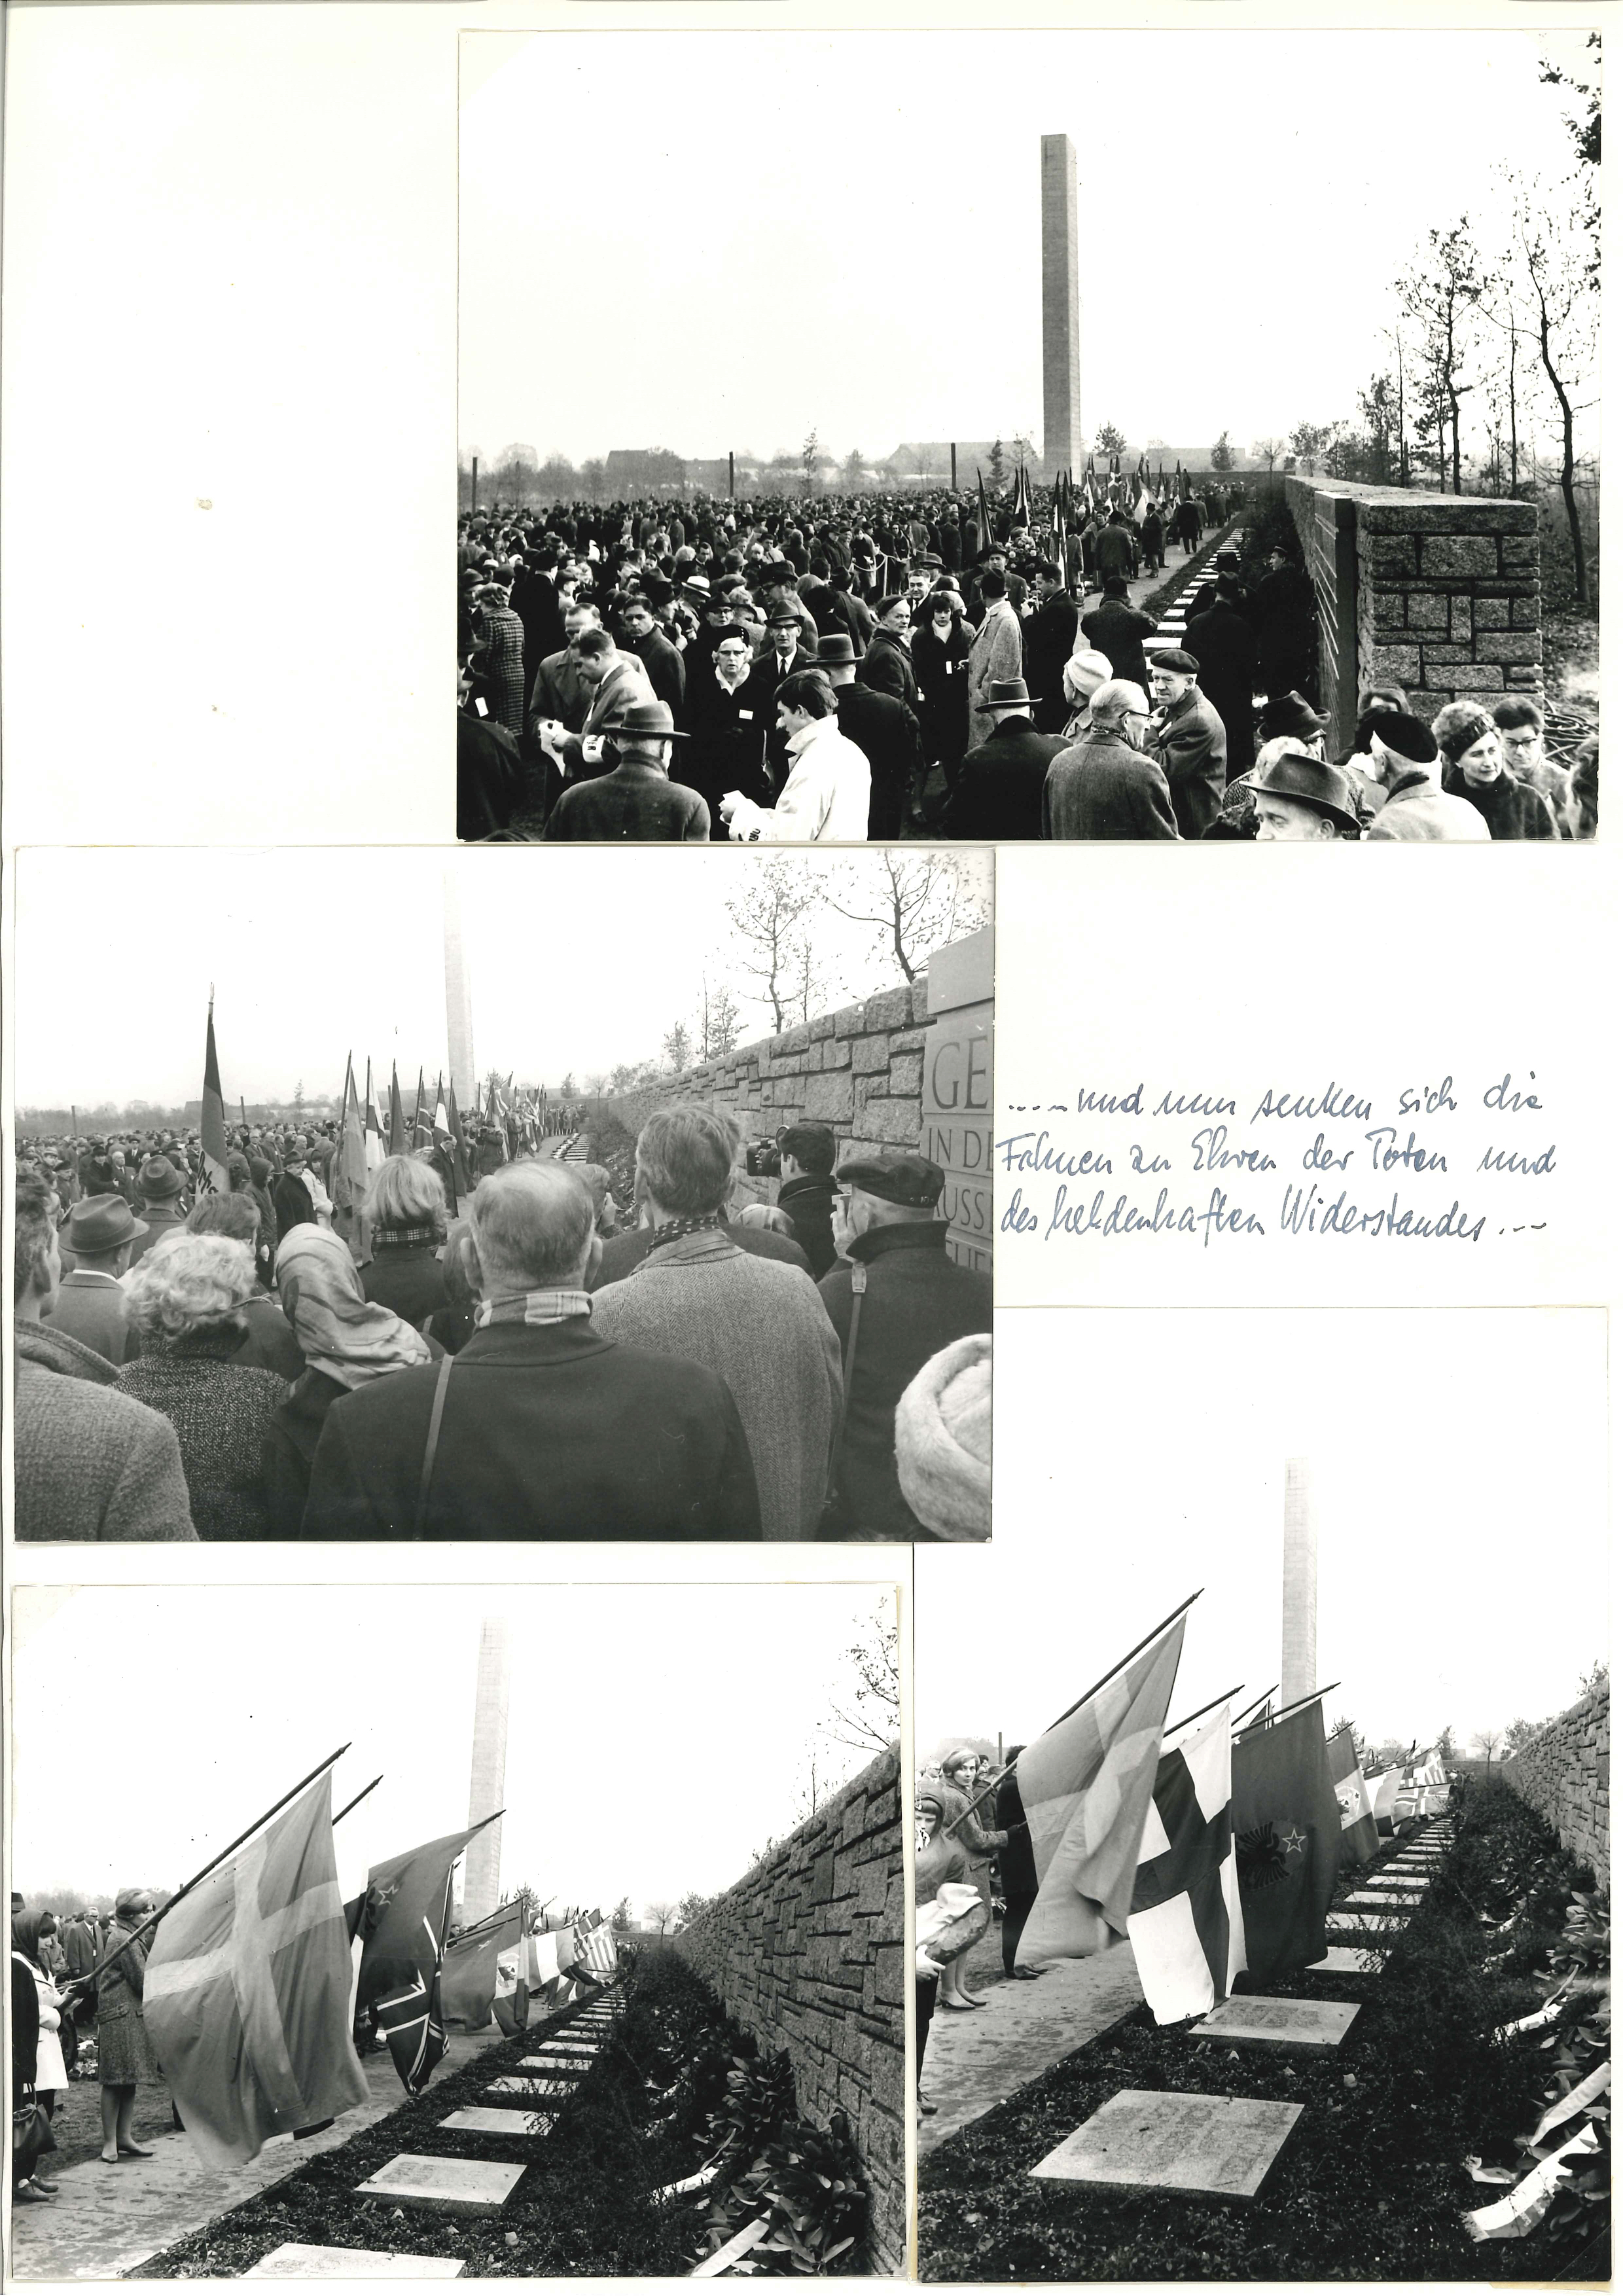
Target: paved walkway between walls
974, 2060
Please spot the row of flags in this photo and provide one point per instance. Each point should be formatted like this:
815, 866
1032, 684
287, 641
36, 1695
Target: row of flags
1213, 1848
253, 1986
1071, 502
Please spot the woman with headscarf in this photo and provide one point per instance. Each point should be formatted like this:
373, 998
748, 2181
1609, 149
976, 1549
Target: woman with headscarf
960, 1784
124, 2053
33, 1931
949, 1915
348, 1341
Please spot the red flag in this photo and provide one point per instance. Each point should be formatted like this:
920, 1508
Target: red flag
397, 1116
404, 1919
213, 1122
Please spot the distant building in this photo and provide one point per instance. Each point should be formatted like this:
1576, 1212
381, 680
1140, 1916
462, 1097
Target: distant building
642, 470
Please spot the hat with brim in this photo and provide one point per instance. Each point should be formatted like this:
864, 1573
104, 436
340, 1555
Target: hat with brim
1290, 713
699, 583
783, 618
831, 651
102, 1223
644, 721
1008, 693
1322, 788
157, 1180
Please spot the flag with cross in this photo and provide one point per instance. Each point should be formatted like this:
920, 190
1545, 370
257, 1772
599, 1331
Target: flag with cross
247, 1991
1185, 1928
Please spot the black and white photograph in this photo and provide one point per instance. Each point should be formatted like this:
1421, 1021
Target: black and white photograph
405, 1963
1262, 1810
861, 507
504, 1195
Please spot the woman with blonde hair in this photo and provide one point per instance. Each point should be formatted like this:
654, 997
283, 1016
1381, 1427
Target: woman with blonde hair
189, 1303
404, 1218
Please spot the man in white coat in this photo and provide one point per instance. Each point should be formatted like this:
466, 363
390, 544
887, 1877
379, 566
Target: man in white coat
825, 799
997, 653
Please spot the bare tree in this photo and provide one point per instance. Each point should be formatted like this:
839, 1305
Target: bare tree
1269, 450
769, 918
1487, 1744
719, 1025
867, 1706
660, 1911
811, 453
1437, 293
1553, 244
915, 901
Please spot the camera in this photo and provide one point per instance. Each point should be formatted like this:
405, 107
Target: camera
763, 1159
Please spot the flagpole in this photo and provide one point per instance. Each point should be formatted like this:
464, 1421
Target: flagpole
187, 1888
1256, 1702
1188, 1719
1263, 1719
1110, 1670
364, 1791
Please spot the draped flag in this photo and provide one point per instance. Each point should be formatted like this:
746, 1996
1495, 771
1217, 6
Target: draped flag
459, 1143
1186, 1933
598, 1950
1022, 498
375, 1126
211, 1124
403, 1921
1382, 1786
1359, 1839
1085, 1786
349, 1165
397, 1115
468, 1974
246, 1994
541, 1958
1288, 1839
986, 515
419, 1124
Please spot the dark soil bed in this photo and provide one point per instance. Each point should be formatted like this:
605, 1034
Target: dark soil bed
1370, 2186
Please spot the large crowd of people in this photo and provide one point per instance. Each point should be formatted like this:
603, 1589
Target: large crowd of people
527, 1357
774, 671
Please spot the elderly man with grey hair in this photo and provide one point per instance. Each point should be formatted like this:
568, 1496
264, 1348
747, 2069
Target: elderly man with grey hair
544, 1427
758, 1324
1106, 786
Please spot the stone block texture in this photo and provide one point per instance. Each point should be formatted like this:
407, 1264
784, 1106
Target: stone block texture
807, 1952
1565, 1773
1447, 595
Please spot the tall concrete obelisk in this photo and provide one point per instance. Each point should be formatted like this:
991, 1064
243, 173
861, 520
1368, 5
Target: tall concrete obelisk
1299, 1643
459, 998
1062, 316
481, 1889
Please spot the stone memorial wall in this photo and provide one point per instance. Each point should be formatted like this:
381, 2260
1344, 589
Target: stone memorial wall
1437, 594
1564, 1774
807, 1952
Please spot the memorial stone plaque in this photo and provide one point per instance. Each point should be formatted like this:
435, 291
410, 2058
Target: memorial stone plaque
511, 2084
570, 2066
1257, 2022
453, 2188
956, 1106
297, 2259
498, 2121
1350, 1961
1384, 1898
1147, 2140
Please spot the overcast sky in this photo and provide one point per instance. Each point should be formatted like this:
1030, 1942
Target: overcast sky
706, 240
1459, 1468
579, 960
657, 1734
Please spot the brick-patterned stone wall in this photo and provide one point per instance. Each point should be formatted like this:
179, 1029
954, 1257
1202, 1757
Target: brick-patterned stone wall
1446, 600
1564, 1773
807, 1952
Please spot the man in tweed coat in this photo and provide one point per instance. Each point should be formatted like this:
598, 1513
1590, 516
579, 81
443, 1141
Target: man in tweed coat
997, 653
757, 1321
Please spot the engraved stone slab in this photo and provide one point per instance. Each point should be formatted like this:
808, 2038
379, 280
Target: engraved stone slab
1387, 1898
509, 2085
571, 2066
1407, 1885
563, 2041
296, 2259
454, 2188
1145, 2140
498, 2121
1255, 2021
1350, 1961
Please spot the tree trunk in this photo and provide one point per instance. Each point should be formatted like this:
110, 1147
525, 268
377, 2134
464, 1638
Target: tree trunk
1569, 492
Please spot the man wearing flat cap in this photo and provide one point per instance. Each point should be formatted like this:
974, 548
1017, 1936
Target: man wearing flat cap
895, 1300
636, 802
102, 1232
1418, 810
1187, 737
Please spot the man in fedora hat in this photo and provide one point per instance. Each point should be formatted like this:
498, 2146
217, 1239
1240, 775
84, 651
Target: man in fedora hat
102, 1232
1187, 736
998, 791
1301, 801
884, 729
637, 801
1293, 715
162, 1192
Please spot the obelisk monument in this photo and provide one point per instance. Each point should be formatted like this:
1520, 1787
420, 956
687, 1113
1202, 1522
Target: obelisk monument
1062, 317
487, 1783
459, 998
1299, 1642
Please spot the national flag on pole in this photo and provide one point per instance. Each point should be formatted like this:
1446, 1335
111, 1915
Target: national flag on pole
418, 1124
1359, 1839
397, 1115
1185, 1930
349, 1165
212, 1124
986, 515
1288, 1836
1087, 1785
1381, 1787
247, 1992
403, 1921
375, 1126
468, 1974
1022, 498
459, 1145
598, 1950
442, 1122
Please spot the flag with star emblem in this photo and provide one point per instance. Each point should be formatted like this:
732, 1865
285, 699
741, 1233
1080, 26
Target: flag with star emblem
1185, 1929
1287, 1840
402, 1923
1359, 1838
247, 1991
1085, 1786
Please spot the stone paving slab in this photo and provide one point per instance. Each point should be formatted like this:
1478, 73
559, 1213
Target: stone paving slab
1312, 2029
1384, 1898
573, 2066
1154, 2140
509, 2085
1350, 1961
452, 2188
297, 2259
498, 2121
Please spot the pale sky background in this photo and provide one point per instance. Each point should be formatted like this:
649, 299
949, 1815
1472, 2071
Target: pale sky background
657, 1734
778, 229
1459, 1469
579, 961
